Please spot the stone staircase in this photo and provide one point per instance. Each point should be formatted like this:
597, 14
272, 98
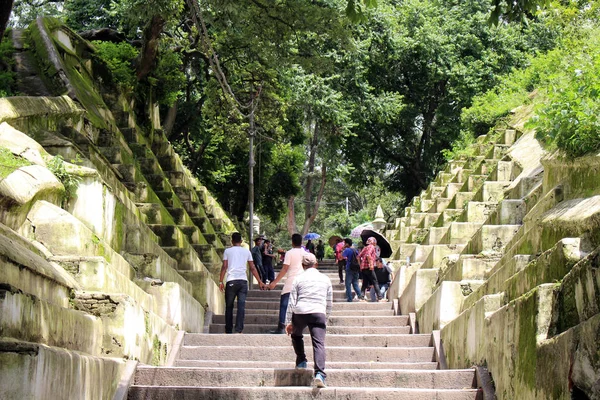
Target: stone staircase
370, 353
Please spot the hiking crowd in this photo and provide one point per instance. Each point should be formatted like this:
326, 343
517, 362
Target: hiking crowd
307, 294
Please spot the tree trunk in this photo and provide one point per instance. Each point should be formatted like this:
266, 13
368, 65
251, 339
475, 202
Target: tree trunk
312, 154
5, 9
308, 221
291, 216
149, 53
170, 120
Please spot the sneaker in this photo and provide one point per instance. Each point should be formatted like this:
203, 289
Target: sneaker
319, 380
382, 300
302, 365
277, 331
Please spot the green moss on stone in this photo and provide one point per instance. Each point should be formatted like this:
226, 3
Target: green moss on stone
526, 358
10, 162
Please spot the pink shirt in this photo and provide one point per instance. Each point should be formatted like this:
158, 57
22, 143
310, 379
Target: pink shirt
293, 258
339, 248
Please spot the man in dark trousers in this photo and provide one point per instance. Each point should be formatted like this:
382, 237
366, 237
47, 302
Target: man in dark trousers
309, 305
257, 251
235, 259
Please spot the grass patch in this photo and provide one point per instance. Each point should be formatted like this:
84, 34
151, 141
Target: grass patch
10, 162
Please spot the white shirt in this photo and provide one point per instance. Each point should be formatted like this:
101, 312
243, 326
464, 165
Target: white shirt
293, 258
237, 260
311, 294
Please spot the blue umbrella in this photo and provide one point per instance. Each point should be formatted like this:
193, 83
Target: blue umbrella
311, 236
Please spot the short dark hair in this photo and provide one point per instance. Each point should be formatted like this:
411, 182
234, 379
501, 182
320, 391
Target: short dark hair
297, 239
236, 237
348, 241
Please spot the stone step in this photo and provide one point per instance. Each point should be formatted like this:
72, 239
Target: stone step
352, 353
285, 393
390, 312
331, 330
332, 321
288, 364
265, 341
273, 304
256, 377
276, 294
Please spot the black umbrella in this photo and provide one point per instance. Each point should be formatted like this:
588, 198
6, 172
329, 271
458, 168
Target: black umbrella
384, 245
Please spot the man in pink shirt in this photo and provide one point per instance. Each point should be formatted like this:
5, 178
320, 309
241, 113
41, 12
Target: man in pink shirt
292, 266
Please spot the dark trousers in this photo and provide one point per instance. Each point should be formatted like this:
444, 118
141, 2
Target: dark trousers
237, 288
269, 272
369, 278
317, 326
341, 268
283, 305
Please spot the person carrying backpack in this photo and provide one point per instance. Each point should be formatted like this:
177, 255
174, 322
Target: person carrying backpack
352, 270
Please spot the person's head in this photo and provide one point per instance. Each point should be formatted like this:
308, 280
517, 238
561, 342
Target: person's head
309, 241
296, 240
258, 241
320, 242
372, 241
267, 242
236, 238
348, 242
338, 240
379, 262
309, 261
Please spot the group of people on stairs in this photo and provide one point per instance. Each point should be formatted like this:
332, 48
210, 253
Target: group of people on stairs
306, 298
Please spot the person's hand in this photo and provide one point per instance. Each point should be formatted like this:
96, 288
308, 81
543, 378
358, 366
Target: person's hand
272, 286
262, 286
289, 329
221, 287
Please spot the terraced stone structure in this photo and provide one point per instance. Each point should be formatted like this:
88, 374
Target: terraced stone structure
113, 268
496, 264
500, 253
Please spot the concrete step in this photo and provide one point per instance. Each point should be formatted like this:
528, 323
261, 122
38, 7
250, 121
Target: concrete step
249, 377
359, 313
331, 330
295, 393
273, 304
332, 321
355, 354
263, 341
276, 294
290, 364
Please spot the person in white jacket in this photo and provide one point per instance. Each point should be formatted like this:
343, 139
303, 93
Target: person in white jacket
310, 304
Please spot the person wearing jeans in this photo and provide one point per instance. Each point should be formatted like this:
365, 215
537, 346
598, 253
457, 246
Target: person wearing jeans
235, 261
292, 266
310, 304
351, 276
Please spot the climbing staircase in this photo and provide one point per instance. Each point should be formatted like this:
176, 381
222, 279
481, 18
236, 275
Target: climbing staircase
370, 353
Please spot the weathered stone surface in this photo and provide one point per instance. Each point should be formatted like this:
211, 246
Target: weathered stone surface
36, 371
22, 145
27, 183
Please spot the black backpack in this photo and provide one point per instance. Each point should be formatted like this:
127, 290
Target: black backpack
354, 264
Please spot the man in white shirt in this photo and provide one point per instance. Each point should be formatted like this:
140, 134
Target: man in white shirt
310, 304
235, 259
292, 266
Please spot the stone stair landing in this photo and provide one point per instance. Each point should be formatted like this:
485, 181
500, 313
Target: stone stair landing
371, 353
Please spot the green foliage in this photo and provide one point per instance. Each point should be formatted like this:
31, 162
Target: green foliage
569, 116
7, 76
57, 166
460, 147
168, 77
119, 58
10, 162
89, 14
